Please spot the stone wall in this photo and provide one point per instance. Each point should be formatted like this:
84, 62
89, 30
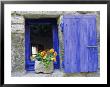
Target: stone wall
18, 39
17, 43
17, 51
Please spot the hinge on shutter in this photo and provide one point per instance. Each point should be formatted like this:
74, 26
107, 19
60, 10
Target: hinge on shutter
92, 46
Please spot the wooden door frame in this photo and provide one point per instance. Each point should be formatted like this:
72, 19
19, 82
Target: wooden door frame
29, 22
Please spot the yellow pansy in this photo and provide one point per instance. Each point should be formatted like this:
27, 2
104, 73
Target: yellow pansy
55, 54
45, 56
51, 50
53, 59
42, 53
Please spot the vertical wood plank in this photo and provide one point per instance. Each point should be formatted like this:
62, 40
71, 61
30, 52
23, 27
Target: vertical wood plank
56, 46
92, 41
27, 43
66, 58
75, 59
83, 45
71, 46
29, 64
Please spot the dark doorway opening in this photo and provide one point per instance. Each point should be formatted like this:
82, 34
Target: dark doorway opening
41, 36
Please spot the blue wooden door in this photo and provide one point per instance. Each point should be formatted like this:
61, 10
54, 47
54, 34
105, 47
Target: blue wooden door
80, 48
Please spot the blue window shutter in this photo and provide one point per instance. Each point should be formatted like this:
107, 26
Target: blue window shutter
80, 50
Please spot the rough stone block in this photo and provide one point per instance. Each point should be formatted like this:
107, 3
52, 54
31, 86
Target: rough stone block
17, 28
17, 19
40, 68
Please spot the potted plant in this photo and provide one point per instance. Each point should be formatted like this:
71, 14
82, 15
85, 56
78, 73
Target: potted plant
44, 61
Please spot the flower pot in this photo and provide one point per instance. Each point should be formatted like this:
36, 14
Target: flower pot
40, 68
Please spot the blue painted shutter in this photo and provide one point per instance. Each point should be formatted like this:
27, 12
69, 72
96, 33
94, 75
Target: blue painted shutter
80, 51
92, 46
29, 65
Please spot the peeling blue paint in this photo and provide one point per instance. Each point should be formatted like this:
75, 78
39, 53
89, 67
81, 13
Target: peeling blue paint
79, 33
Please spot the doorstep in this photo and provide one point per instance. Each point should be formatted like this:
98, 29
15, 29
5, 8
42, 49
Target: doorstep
56, 73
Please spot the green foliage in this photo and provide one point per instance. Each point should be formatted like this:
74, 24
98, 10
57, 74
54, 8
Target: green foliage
46, 57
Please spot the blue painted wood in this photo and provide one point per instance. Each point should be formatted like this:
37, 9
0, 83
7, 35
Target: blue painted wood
41, 21
56, 46
92, 41
79, 33
29, 65
83, 45
79, 16
71, 46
